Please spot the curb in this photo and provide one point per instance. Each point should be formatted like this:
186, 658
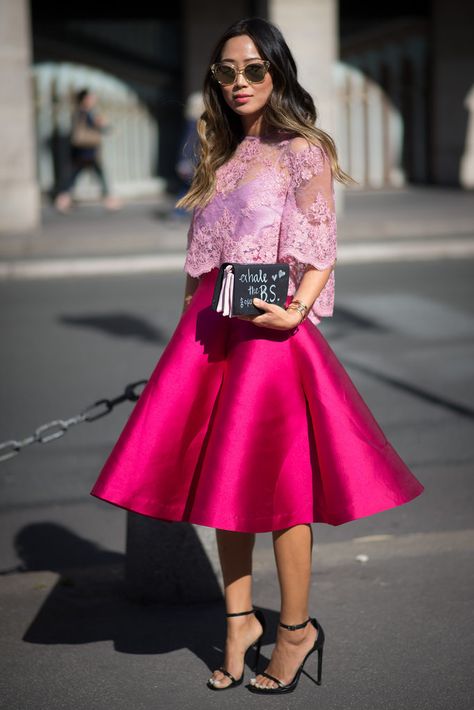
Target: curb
90, 266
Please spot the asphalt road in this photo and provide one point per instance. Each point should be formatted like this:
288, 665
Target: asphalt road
398, 625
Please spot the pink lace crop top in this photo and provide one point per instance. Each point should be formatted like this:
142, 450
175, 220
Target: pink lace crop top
273, 201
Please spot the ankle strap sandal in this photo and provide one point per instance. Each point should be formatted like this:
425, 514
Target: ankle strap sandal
211, 683
292, 627
289, 687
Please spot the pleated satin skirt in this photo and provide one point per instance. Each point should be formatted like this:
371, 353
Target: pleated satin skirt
251, 429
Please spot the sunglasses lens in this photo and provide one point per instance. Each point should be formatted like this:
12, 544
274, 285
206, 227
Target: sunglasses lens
255, 72
224, 74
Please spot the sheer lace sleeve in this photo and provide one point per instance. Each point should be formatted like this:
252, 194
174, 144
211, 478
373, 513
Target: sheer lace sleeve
308, 227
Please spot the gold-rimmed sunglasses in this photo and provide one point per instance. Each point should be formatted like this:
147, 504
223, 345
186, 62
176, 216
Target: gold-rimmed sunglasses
226, 73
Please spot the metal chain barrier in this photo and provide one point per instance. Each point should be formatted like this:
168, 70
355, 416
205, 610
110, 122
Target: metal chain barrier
58, 427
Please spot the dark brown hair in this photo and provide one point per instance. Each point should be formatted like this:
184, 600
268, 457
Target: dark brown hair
289, 108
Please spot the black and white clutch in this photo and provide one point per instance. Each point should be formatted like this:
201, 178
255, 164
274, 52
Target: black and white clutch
237, 284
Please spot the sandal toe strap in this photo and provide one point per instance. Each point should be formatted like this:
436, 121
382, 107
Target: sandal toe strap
229, 675
272, 677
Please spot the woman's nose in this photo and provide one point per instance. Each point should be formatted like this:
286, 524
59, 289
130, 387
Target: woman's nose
240, 81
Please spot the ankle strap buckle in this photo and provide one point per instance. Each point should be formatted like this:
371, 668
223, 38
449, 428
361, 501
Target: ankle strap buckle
292, 627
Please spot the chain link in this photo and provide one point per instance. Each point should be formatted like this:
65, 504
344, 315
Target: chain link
58, 427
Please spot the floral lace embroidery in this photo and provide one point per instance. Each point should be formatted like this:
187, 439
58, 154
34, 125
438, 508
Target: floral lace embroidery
308, 234
304, 164
271, 203
324, 304
231, 173
265, 193
319, 211
206, 241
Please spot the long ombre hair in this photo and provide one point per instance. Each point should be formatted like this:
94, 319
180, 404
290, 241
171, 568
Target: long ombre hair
290, 108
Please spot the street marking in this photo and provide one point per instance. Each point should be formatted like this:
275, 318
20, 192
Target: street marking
90, 266
372, 538
397, 251
411, 545
142, 263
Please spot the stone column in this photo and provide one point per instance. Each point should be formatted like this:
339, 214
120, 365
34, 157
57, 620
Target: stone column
203, 23
467, 160
452, 67
19, 192
310, 28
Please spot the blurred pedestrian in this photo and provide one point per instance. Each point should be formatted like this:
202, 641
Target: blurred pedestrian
88, 126
186, 164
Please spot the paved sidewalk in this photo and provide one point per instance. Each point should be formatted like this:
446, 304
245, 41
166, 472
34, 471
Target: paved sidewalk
71, 639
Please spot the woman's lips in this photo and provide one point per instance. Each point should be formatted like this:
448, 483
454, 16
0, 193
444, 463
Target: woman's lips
241, 100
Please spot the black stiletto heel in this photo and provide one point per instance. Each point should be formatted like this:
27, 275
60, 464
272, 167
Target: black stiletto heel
289, 687
256, 645
320, 665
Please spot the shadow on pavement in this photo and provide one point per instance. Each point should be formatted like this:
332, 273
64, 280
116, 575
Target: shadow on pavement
89, 604
121, 325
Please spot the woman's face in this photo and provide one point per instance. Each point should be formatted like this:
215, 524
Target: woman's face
240, 51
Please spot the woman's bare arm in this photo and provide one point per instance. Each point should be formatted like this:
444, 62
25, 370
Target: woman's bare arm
191, 285
312, 283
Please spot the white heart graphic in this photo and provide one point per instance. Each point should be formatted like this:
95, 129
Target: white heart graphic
281, 273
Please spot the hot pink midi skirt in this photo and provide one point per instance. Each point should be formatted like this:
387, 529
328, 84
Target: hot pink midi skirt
251, 429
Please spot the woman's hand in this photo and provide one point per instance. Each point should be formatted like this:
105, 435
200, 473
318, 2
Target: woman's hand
187, 300
192, 283
274, 316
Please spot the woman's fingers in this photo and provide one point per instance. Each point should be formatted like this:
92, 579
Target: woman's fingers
273, 316
264, 305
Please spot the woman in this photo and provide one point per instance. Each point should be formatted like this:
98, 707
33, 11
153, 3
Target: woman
250, 423
86, 138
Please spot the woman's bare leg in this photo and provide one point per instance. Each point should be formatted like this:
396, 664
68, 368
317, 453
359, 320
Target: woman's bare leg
293, 549
235, 554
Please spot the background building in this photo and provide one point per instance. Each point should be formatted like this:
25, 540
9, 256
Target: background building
392, 85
